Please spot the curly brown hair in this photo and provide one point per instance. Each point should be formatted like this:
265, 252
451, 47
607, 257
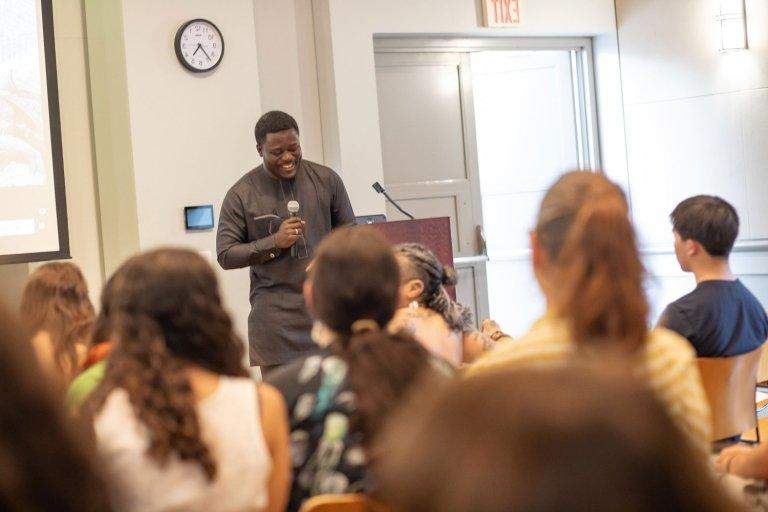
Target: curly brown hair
166, 316
55, 300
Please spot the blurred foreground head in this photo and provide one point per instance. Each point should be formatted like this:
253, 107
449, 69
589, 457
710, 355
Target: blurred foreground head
586, 260
539, 440
42, 466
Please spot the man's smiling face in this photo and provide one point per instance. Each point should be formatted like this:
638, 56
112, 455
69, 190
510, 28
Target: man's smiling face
281, 153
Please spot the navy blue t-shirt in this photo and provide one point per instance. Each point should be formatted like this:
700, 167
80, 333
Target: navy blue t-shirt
719, 318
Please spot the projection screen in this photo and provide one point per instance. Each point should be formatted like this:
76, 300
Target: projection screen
33, 212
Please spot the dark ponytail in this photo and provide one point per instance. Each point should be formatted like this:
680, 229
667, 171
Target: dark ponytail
381, 369
585, 228
355, 282
424, 266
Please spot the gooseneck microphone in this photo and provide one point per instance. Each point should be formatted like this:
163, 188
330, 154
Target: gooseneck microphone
293, 209
379, 189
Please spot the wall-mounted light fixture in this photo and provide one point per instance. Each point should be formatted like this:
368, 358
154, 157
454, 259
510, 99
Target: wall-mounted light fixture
733, 25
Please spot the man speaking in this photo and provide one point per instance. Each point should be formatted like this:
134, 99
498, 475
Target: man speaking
270, 220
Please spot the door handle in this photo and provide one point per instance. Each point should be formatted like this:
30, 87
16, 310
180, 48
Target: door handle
482, 246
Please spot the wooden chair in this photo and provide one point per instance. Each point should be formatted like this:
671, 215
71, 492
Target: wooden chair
762, 370
341, 503
729, 383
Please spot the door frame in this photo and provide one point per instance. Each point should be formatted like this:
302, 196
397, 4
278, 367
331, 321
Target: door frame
583, 68
584, 93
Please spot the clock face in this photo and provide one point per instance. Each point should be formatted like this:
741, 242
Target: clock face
199, 45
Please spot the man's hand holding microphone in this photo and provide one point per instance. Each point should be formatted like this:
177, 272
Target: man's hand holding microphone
289, 232
291, 229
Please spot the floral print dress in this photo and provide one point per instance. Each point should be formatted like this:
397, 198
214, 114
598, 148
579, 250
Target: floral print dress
326, 454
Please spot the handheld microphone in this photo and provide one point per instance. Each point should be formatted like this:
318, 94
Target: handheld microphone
293, 210
379, 189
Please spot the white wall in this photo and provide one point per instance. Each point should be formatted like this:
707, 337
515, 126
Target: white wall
344, 38
285, 42
111, 131
82, 208
13, 278
610, 108
696, 122
192, 135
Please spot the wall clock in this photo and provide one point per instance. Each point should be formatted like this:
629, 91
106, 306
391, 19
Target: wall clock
199, 45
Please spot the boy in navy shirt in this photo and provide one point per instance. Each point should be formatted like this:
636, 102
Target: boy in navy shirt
720, 317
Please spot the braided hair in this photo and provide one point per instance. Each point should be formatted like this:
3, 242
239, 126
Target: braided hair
424, 266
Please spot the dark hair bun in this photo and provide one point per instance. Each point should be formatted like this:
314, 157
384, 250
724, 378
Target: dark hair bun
449, 276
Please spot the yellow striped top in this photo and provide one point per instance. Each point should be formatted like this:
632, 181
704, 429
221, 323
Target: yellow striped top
668, 365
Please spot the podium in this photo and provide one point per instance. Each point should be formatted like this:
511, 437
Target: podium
434, 233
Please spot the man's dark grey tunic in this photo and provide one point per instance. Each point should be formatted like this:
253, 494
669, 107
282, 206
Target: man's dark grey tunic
278, 325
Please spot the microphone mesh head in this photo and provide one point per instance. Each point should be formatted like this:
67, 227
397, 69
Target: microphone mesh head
293, 207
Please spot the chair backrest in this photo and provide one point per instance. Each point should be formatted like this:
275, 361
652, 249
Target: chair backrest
762, 368
342, 503
730, 386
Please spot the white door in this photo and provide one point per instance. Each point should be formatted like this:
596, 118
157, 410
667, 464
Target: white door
429, 155
526, 118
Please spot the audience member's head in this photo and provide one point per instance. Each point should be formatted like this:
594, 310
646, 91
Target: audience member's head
586, 260
423, 280
505, 441
167, 317
343, 289
42, 466
55, 302
352, 289
704, 227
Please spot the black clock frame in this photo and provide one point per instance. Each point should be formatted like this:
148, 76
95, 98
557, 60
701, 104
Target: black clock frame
177, 46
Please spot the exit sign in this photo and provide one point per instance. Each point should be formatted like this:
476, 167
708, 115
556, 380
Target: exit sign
501, 13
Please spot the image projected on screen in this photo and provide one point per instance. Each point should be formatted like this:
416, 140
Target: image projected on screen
29, 223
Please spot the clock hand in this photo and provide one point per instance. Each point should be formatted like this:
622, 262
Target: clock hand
206, 53
199, 47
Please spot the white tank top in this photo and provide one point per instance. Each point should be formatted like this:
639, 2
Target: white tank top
231, 428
